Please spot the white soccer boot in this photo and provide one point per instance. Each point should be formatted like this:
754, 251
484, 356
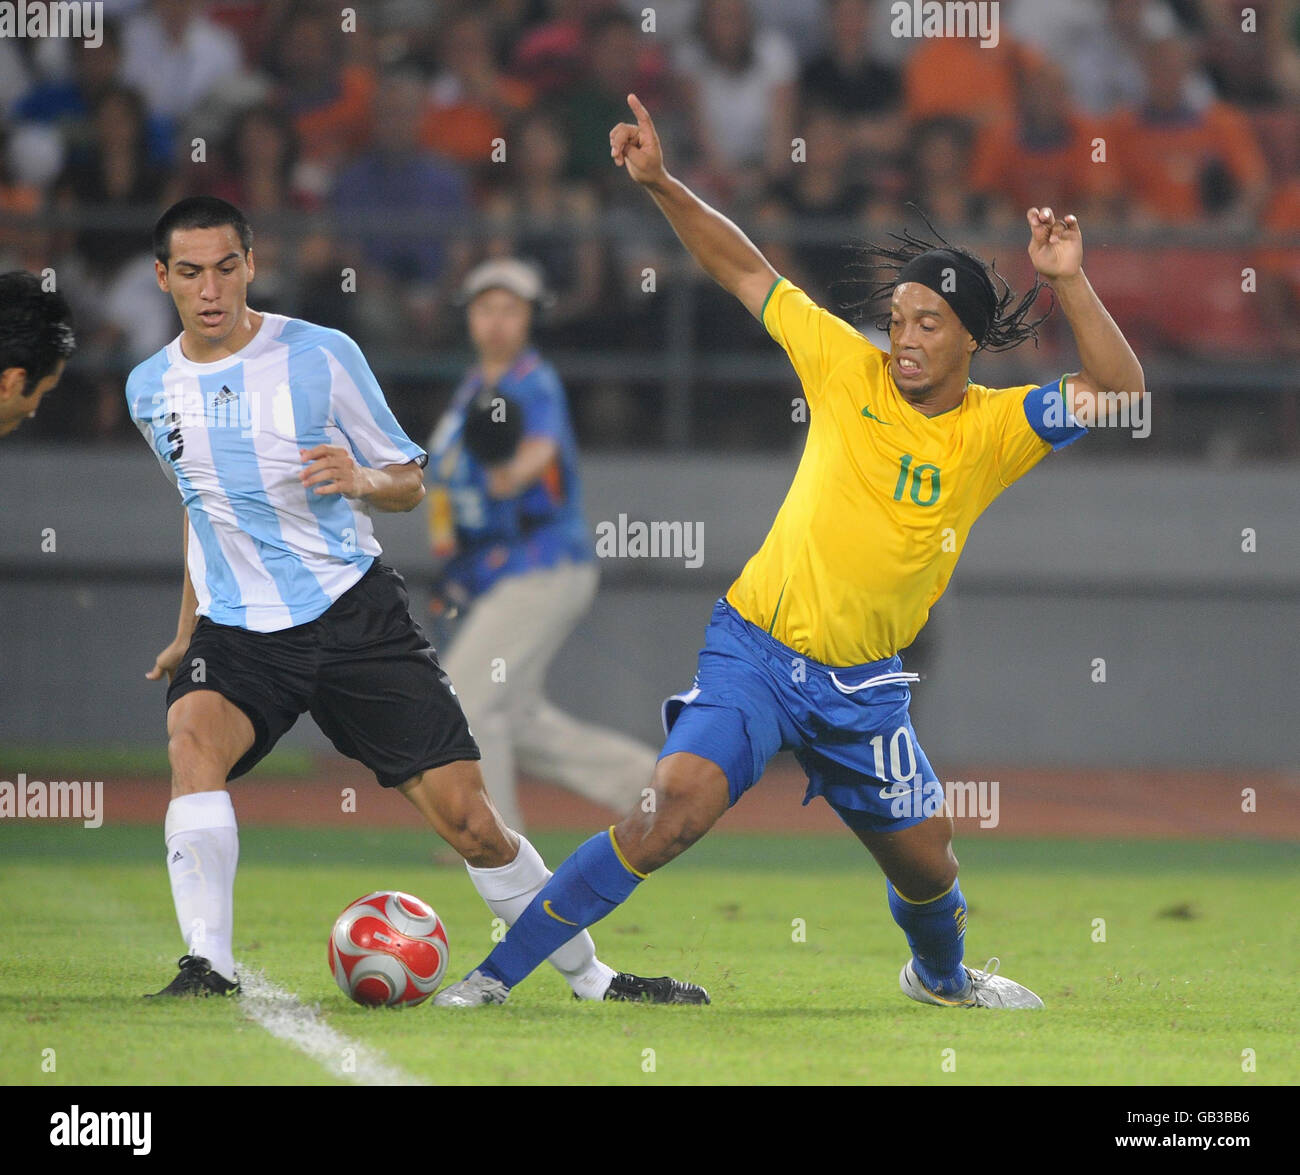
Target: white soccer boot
988, 989
473, 991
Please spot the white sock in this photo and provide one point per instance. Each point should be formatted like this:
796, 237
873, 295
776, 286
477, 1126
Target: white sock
508, 889
202, 852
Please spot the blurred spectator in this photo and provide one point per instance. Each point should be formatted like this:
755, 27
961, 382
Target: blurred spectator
740, 84
954, 77
109, 275
175, 56
1042, 154
824, 189
1182, 159
67, 103
1103, 57
398, 178
1279, 268
942, 182
471, 100
553, 54
800, 22
621, 61
17, 199
328, 99
527, 214
846, 78
258, 165
14, 79
1256, 67
111, 173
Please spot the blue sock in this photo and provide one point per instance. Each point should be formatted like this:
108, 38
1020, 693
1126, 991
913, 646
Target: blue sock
935, 931
593, 881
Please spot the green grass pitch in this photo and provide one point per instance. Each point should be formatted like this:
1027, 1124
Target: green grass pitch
1198, 958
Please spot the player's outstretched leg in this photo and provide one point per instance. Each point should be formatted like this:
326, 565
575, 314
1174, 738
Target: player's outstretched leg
927, 903
690, 793
508, 873
207, 735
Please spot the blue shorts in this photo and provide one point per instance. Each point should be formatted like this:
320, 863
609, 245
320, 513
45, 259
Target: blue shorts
848, 727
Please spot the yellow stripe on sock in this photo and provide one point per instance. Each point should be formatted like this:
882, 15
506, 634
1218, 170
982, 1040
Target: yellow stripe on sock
927, 901
622, 858
942, 999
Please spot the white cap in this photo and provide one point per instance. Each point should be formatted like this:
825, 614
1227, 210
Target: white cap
504, 273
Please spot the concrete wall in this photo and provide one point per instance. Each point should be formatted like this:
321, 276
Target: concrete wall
1138, 563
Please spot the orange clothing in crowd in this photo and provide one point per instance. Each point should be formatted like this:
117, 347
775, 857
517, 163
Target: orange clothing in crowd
1162, 164
18, 200
1062, 176
464, 131
342, 127
954, 76
1283, 216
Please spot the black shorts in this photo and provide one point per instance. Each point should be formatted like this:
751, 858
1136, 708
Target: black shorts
363, 669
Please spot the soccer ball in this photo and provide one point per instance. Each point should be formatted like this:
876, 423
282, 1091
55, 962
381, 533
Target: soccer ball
388, 949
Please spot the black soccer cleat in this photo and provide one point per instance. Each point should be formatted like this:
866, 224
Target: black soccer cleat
197, 978
664, 990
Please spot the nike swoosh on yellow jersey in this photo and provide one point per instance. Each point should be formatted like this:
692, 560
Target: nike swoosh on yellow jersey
546, 905
868, 414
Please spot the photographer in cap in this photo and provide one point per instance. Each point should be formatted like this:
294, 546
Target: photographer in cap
518, 564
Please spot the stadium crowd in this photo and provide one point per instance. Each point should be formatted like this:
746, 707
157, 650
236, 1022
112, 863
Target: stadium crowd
405, 146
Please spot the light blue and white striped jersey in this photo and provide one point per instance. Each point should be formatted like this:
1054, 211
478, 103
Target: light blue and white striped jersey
265, 551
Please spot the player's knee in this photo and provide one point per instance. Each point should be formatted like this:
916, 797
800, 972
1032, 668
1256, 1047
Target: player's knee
197, 764
186, 749
685, 806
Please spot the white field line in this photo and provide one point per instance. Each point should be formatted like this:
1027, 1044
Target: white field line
287, 1018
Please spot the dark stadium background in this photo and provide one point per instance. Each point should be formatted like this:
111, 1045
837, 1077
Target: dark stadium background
1122, 549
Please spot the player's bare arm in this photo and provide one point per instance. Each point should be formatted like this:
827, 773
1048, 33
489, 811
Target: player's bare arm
1108, 362
331, 469
166, 662
722, 250
528, 464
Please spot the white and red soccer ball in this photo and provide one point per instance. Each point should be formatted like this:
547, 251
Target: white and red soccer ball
388, 949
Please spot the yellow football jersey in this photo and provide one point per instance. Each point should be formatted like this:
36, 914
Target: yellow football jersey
883, 499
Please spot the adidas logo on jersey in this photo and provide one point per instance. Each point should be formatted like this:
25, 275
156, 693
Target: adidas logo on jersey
224, 396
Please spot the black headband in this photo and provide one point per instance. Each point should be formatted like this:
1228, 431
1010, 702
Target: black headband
961, 281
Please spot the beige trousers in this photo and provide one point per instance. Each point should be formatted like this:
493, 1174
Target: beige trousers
497, 662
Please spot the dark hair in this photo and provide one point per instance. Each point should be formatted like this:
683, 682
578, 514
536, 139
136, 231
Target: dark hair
701, 34
198, 212
35, 327
880, 265
263, 112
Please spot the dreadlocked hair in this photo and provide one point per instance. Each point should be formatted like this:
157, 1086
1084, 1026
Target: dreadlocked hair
878, 267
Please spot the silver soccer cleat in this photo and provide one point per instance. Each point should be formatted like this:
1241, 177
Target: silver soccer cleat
475, 990
988, 989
